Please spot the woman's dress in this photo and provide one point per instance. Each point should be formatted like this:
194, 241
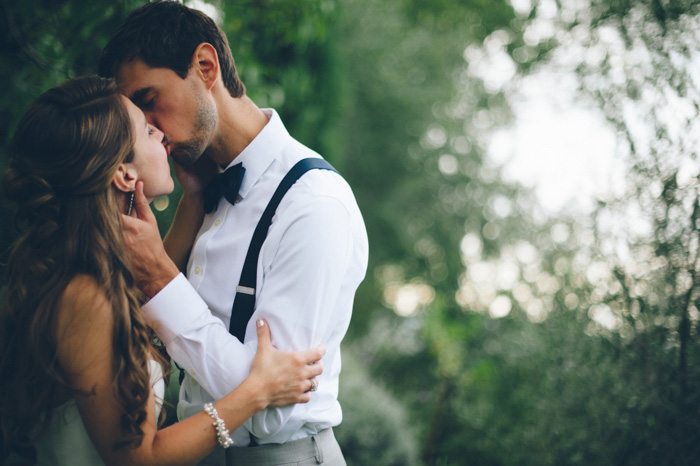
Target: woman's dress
67, 443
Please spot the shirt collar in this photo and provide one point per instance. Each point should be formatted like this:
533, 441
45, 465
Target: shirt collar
262, 150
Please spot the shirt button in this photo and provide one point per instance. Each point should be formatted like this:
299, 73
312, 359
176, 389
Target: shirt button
218, 222
197, 270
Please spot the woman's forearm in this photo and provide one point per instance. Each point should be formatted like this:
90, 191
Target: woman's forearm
183, 231
189, 441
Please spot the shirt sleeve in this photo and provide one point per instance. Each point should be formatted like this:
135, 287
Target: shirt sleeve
196, 339
305, 261
299, 295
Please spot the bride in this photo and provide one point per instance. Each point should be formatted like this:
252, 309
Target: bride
81, 375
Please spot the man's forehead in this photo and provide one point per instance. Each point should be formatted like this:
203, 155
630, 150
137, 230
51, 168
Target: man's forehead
134, 78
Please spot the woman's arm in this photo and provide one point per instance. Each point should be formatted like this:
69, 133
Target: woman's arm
190, 210
183, 231
85, 352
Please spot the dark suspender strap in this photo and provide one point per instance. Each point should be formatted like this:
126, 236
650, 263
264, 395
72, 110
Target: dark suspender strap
244, 302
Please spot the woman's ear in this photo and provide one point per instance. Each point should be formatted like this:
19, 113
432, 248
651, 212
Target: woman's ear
125, 178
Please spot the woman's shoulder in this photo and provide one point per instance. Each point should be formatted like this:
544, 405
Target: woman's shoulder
83, 297
83, 306
82, 287
84, 323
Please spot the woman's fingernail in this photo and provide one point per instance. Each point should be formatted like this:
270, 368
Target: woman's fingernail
260, 322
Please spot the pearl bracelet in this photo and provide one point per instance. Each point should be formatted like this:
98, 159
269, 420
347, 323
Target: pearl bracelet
221, 431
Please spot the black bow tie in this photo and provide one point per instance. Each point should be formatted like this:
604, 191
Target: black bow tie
224, 184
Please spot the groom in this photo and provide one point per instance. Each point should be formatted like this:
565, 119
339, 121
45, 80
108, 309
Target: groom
294, 258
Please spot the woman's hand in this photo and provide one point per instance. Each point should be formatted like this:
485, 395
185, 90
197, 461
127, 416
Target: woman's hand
197, 176
287, 376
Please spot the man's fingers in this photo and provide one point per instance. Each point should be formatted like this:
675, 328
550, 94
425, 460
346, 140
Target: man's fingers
130, 224
141, 207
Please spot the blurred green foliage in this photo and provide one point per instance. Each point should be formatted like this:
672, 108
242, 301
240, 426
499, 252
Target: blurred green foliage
487, 332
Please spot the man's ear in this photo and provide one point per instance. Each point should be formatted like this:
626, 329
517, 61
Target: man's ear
206, 63
125, 178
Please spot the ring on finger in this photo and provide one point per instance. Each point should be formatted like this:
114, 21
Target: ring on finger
314, 385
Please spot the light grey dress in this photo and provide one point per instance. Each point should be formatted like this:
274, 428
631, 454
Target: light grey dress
67, 443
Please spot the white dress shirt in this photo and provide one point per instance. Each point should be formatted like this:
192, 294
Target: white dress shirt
309, 268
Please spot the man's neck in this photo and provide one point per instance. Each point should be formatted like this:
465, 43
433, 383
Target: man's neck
239, 122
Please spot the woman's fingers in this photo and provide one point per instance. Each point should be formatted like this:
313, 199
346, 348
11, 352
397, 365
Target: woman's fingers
314, 370
300, 377
314, 384
313, 355
264, 337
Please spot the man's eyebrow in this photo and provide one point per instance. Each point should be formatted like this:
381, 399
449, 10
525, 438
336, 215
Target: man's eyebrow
137, 96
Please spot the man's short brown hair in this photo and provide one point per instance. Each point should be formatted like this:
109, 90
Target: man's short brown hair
165, 35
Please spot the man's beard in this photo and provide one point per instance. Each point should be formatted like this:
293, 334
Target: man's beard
186, 153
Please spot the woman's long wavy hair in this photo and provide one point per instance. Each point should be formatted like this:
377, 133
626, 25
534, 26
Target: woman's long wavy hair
66, 150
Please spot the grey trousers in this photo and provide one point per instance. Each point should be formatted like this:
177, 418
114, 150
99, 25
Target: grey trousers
319, 449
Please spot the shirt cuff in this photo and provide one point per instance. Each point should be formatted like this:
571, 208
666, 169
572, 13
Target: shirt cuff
173, 309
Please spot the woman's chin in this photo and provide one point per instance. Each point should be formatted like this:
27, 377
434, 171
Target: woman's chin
161, 192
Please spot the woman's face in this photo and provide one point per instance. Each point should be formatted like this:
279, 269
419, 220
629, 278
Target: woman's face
150, 162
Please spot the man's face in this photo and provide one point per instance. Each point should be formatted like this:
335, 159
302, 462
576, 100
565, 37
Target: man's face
178, 107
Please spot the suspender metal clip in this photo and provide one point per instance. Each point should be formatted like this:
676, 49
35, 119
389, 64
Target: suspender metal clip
245, 290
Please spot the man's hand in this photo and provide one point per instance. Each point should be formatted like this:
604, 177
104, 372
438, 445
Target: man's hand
150, 265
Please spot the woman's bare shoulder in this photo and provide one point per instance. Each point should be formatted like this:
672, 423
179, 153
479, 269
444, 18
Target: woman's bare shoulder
83, 298
84, 324
82, 288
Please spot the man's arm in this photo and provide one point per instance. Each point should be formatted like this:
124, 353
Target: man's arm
151, 266
315, 256
308, 254
179, 316
298, 297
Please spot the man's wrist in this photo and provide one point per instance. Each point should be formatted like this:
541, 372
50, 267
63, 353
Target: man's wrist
158, 280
